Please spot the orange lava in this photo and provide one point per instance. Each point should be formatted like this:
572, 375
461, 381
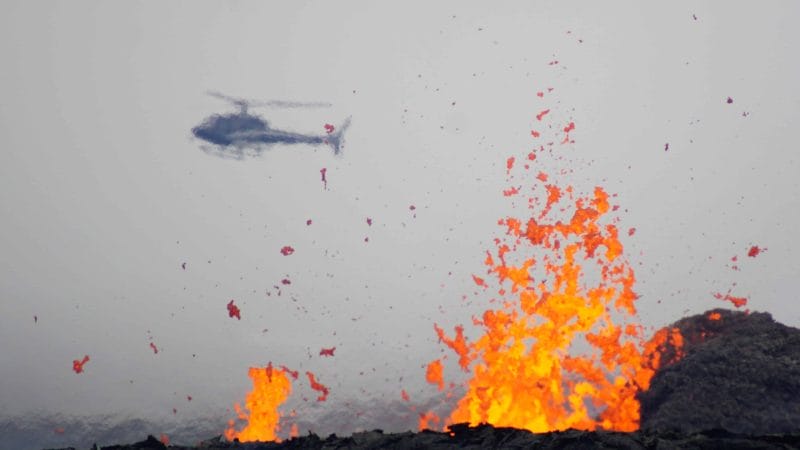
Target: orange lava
77, 365
271, 387
321, 388
435, 373
562, 348
737, 301
428, 418
714, 316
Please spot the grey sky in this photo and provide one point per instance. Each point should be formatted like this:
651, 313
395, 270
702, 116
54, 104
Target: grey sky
103, 192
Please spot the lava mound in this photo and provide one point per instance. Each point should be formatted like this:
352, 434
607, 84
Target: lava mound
736, 371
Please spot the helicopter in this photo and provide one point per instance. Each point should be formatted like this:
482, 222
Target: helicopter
244, 134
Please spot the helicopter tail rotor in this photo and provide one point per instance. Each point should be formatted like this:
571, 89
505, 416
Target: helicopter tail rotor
336, 139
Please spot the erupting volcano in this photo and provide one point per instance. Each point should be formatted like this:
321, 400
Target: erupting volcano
558, 346
560, 285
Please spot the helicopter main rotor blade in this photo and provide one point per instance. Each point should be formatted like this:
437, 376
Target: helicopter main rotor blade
241, 102
285, 104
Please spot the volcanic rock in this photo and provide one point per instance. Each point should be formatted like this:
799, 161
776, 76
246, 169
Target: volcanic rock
734, 384
739, 372
463, 436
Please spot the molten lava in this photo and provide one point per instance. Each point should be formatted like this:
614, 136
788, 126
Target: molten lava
271, 387
562, 350
317, 386
77, 365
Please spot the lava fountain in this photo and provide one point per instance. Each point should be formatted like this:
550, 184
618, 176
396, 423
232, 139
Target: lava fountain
559, 345
271, 387
562, 285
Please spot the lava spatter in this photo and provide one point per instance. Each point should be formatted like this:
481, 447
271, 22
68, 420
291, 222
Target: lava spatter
738, 302
233, 311
563, 281
542, 114
754, 251
323, 173
317, 386
77, 365
435, 373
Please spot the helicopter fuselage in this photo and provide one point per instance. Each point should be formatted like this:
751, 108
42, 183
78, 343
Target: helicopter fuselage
245, 129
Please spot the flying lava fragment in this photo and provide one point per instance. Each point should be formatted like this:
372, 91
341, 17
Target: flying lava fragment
287, 250
479, 281
329, 128
754, 251
77, 365
542, 114
327, 351
315, 385
233, 311
155, 349
323, 175
434, 373
736, 301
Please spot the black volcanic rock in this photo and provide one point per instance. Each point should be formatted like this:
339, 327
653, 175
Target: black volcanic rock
739, 373
487, 436
735, 384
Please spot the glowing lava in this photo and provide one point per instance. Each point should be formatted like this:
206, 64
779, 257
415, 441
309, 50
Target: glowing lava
233, 311
271, 387
77, 365
317, 386
561, 348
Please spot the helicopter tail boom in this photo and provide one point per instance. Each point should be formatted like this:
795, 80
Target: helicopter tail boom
336, 139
